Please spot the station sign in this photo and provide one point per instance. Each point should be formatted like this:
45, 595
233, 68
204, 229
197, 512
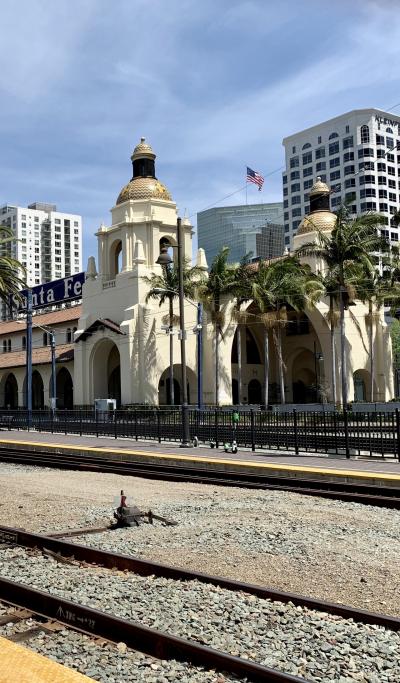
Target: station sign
51, 293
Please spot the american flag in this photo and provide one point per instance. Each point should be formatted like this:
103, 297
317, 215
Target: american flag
254, 177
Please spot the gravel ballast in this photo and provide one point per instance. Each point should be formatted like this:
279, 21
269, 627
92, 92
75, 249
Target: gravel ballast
303, 642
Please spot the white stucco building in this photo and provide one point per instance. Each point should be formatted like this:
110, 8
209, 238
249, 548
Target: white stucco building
115, 344
357, 154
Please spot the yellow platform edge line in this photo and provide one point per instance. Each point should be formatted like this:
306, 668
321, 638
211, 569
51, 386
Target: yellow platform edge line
220, 461
19, 664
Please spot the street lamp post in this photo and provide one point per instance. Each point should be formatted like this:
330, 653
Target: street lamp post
185, 407
29, 357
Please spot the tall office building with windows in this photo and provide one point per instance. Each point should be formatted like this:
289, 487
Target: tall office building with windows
49, 242
358, 155
246, 228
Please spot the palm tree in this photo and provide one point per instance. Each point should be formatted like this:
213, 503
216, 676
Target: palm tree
10, 269
377, 290
347, 252
242, 291
165, 288
220, 282
276, 286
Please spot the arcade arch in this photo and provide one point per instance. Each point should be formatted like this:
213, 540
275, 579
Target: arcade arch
65, 389
164, 393
106, 370
10, 391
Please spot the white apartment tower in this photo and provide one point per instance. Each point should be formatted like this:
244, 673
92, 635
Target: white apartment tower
49, 242
357, 154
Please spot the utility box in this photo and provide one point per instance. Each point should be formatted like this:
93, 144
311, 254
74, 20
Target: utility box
105, 405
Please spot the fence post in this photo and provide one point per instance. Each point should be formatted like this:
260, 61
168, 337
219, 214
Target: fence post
346, 432
398, 433
52, 421
80, 423
115, 424
159, 426
296, 435
97, 423
253, 438
216, 428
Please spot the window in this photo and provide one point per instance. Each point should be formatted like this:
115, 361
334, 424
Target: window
23, 217
284, 179
76, 253
392, 210
76, 223
285, 203
69, 335
333, 148
347, 129
382, 180
383, 207
45, 339
348, 142
5, 346
337, 187
285, 192
36, 219
319, 139
286, 216
307, 171
76, 232
389, 130
23, 225
391, 183
295, 187
294, 162
9, 345
333, 135
392, 197
24, 343
307, 158
294, 175
367, 192
321, 166
336, 201
391, 170
307, 184
364, 132
306, 145
350, 182
296, 212
382, 194
334, 162
350, 196
368, 206
380, 139
287, 227
320, 153
380, 153
367, 180
57, 221
296, 199
348, 170
67, 223
57, 228
287, 239
367, 166
306, 199
335, 175
390, 143
390, 158
293, 150
385, 233
394, 237
296, 224
349, 156
367, 152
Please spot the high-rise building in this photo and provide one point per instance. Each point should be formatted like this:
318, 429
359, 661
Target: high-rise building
49, 242
357, 155
240, 228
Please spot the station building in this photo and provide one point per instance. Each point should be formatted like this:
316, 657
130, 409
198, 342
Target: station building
114, 345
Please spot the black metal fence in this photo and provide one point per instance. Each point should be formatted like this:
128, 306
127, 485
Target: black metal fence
343, 433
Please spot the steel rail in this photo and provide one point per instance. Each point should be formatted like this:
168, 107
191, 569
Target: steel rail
142, 567
150, 641
369, 495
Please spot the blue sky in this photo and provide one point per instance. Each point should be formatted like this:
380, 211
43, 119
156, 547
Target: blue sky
213, 86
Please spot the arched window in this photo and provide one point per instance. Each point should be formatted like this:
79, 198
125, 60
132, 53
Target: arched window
5, 346
333, 135
306, 146
389, 130
69, 335
74, 329
45, 339
23, 343
364, 134
9, 345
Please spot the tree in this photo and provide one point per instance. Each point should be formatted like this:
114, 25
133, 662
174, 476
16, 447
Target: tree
165, 287
220, 282
348, 253
10, 269
276, 286
242, 291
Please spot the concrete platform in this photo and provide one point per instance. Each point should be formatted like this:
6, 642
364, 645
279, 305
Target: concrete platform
328, 468
18, 664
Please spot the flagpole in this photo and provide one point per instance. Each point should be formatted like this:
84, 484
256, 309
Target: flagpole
246, 185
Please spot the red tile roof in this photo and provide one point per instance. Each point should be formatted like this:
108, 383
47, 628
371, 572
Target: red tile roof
41, 356
47, 319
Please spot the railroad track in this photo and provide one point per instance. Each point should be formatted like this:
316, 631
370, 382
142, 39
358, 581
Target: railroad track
370, 495
153, 642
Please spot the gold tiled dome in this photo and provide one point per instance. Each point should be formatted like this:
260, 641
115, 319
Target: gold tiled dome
319, 187
142, 149
318, 220
143, 188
